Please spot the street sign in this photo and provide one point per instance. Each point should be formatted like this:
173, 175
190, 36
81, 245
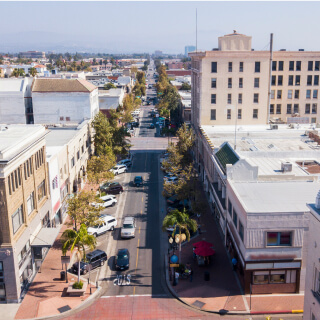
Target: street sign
65, 259
174, 265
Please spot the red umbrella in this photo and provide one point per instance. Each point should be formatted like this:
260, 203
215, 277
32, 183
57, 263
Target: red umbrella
204, 251
202, 243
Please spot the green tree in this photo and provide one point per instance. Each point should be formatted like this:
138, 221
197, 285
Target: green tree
182, 223
103, 134
18, 73
109, 86
185, 86
33, 71
74, 66
77, 240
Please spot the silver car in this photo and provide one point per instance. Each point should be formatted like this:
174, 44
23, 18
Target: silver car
128, 228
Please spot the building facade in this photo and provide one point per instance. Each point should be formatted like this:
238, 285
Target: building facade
33, 54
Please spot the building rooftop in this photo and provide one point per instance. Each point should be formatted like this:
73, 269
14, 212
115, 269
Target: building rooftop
12, 84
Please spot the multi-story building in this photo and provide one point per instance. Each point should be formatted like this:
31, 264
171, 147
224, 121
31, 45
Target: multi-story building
231, 84
24, 207
312, 289
188, 49
33, 54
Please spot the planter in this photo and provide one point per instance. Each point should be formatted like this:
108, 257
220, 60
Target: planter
77, 292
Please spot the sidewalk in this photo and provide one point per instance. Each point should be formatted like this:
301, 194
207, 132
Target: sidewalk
47, 293
222, 293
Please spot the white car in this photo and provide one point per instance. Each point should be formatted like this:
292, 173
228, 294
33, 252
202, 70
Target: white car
104, 224
107, 201
126, 162
128, 228
119, 169
173, 179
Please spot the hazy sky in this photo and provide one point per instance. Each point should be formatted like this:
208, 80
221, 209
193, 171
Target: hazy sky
150, 25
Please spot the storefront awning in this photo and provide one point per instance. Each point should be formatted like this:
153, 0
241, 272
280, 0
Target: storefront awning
45, 237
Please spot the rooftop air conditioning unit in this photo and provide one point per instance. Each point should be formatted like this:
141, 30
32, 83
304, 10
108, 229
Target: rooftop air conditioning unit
286, 166
274, 127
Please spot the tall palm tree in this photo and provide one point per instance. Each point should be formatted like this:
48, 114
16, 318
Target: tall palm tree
33, 71
182, 221
78, 240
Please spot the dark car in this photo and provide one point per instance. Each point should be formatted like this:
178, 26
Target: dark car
180, 205
112, 188
138, 181
93, 260
122, 260
173, 199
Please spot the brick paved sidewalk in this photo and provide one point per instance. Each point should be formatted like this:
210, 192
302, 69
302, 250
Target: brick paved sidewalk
47, 293
222, 292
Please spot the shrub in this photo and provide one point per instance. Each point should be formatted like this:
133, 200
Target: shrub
77, 285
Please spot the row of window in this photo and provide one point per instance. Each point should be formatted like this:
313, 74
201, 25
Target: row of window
229, 98
14, 181
27, 168
309, 108
274, 276
214, 66
39, 158
236, 221
78, 153
296, 94
213, 115
295, 79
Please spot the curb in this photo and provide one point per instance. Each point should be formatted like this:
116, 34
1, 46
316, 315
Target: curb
221, 312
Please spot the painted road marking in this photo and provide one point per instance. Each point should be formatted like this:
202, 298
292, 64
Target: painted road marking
137, 255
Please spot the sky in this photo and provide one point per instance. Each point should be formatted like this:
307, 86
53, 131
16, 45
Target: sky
146, 26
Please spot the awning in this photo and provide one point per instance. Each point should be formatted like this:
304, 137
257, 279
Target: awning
45, 237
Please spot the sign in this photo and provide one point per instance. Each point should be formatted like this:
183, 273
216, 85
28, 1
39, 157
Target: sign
174, 265
174, 259
65, 259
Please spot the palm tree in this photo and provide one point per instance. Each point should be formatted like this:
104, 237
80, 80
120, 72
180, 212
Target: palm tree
182, 221
78, 240
33, 71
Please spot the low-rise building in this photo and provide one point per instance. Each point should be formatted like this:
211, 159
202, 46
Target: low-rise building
110, 100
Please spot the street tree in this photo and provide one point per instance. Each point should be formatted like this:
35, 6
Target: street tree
103, 134
109, 86
185, 86
33, 71
18, 73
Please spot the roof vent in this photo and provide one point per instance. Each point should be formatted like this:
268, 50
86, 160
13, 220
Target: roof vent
318, 200
283, 49
286, 166
301, 49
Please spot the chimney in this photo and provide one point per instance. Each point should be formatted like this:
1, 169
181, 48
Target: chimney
318, 200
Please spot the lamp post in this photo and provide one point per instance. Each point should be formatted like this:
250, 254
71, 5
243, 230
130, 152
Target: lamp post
173, 259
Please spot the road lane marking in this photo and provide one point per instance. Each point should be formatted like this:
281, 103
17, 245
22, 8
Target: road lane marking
137, 255
139, 229
142, 199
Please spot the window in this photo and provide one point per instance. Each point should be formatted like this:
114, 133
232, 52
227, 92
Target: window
24, 253
308, 94
290, 81
240, 98
213, 114
313, 120
296, 108
230, 67
280, 65
310, 65
291, 65
271, 108
229, 114
296, 94
309, 80
279, 94
241, 67
213, 98
256, 98
30, 203
72, 162
255, 114
278, 276
67, 118
273, 80
229, 98
41, 190
289, 108
257, 66
214, 67
278, 109
230, 207
239, 114
78, 155
213, 82
316, 66
229, 83
261, 277
241, 230
61, 118
256, 82
272, 94
316, 80
82, 149
307, 108
16, 178
235, 218
17, 219
280, 80
298, 65
274, 65
314, 108
279, 238
289, 94
61, 174
9, 185
240, 83
297, 81
315, 94
12, 182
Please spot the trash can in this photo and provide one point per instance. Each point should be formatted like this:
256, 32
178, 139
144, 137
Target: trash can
206, 276
62, 275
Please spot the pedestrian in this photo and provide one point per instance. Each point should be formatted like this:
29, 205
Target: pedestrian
191, 275
198, 217
234, 263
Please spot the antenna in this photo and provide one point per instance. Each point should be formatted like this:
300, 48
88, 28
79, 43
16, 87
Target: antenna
196, 30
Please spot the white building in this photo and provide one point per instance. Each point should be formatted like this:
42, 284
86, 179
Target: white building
64, 101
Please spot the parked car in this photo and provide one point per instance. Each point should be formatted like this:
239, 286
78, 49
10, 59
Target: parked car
117, 169
180, 205
112, 188
105, 223
173, 199
93, 260
128, 228
138, 181
126, 162
173, 179
107, 201
122, 260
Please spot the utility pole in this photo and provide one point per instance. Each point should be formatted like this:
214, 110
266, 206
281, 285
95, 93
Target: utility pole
196, 30
270, 75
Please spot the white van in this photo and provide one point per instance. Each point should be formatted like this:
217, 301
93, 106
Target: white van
105, 223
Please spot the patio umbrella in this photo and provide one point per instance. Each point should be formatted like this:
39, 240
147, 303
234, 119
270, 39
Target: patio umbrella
204, 251
202, 243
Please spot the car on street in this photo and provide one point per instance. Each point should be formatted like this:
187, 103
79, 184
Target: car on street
105, 223
126, 162
180, 205
122, 260
117, 169
106, 201
173, 179
138, 181
150, 86
93, 260
128, 228
112, 188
